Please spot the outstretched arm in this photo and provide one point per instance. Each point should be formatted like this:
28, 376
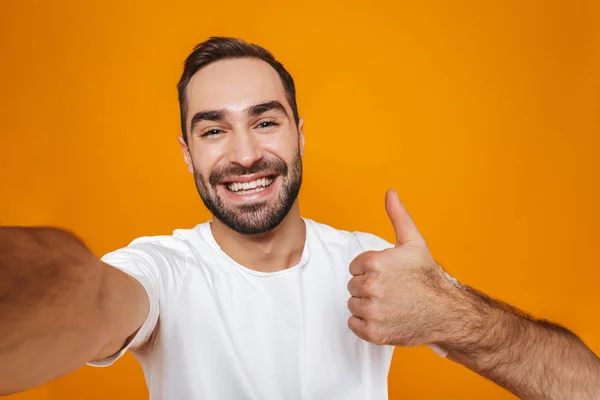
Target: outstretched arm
60, 306
534, 359
401, 297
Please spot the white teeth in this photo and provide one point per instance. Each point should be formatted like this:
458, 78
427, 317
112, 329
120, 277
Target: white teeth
250, 187
256, 190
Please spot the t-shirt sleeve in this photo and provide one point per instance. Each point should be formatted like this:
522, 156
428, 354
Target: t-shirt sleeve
371, 242
137, 261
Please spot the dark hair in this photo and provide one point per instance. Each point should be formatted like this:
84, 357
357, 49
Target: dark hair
220, 48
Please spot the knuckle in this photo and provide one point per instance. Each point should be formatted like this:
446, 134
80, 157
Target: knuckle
369, 258
371, 288
371, 334
370, 309
376, 336
373, 262
363, 257
379, 340
367, 287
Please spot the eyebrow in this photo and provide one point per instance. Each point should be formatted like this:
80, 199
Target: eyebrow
210, 115
258, 109
252, 111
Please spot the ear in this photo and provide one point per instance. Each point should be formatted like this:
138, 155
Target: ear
186, 154
301, 136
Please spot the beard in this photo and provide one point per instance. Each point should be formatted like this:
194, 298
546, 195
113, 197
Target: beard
259, 217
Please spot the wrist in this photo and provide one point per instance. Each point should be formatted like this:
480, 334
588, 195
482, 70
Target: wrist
468, 321
451, 307
478, 327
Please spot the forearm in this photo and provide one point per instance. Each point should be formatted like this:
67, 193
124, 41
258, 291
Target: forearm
49, 284
534, 359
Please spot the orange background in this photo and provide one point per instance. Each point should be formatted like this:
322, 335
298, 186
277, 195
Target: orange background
485, 117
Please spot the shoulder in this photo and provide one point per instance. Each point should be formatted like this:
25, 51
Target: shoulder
172, 250
332, 236
369, 241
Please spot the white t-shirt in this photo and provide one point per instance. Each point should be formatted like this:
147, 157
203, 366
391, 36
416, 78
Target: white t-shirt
220, 331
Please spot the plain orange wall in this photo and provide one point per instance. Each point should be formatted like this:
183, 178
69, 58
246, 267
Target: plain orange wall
484, 115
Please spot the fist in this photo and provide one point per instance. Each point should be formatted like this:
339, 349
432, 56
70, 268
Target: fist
399, 295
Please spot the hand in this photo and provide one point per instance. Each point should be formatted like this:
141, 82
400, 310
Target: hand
399, 295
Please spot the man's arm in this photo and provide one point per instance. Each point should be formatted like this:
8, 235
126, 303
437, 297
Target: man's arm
534, 359
401, 297
60, 306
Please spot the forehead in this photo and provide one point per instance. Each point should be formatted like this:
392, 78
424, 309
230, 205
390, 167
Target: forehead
234, 84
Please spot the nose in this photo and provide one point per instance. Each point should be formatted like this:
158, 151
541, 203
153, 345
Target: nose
244, 149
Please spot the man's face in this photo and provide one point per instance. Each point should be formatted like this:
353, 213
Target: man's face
245, 150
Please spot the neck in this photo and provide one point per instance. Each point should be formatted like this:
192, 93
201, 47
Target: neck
278, 249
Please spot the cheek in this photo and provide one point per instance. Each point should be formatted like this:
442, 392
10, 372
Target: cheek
284, 147
206, 159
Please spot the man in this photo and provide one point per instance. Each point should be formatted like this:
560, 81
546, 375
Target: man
260, 303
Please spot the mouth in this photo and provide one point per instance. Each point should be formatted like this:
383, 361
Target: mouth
246, 185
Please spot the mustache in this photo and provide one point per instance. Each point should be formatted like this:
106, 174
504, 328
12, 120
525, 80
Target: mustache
263, 165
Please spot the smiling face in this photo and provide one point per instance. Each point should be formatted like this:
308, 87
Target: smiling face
244, 147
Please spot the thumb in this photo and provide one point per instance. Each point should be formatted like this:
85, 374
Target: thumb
406, 231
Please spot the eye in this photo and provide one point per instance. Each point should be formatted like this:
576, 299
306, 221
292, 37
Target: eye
266, 124
211, 132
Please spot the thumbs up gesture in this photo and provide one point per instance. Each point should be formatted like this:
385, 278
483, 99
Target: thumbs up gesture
399, 294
